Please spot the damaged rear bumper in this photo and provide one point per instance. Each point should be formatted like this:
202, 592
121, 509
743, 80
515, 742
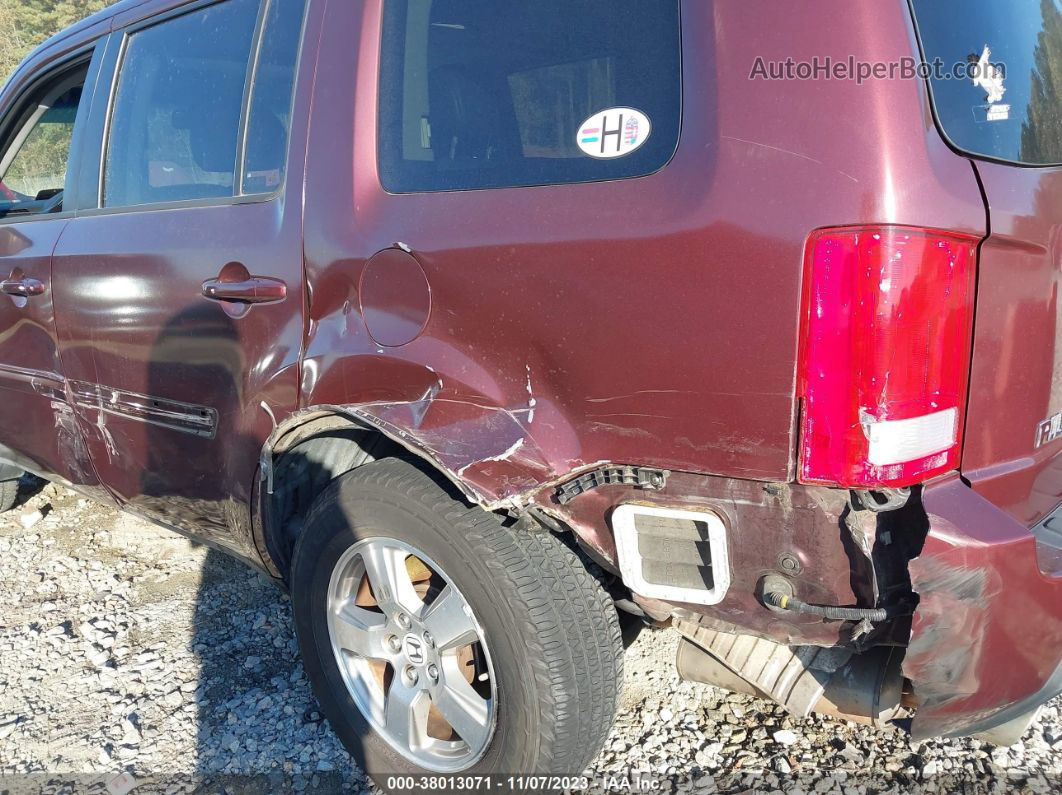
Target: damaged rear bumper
986, 641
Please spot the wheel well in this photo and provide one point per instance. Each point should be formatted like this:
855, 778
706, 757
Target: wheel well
312, 457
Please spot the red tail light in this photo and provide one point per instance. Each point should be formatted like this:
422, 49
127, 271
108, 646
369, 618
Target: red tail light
885, 355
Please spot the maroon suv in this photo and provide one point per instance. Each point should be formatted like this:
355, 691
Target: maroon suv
472, 322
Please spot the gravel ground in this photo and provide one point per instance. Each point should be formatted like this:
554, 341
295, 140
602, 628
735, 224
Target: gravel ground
127, 649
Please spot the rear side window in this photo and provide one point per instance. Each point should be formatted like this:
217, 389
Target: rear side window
488, 94
185, 88
996, 75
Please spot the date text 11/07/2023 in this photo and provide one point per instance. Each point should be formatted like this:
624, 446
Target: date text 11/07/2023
522, 783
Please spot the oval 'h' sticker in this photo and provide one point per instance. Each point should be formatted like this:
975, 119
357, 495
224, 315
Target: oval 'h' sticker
614, 132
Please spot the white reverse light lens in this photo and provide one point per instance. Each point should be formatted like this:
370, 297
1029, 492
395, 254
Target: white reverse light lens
901, 441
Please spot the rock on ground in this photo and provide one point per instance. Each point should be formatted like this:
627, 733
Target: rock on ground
125, 649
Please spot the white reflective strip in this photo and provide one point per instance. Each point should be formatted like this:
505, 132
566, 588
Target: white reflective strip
900, 441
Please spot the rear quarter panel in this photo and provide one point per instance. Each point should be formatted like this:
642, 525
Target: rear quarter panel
646, 321
1016, 381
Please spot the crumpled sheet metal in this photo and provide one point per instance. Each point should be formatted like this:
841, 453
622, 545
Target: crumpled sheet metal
987, 632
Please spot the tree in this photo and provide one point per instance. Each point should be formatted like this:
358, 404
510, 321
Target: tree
26, 23
1041, 134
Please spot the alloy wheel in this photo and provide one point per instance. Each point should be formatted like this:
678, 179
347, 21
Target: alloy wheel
411, 654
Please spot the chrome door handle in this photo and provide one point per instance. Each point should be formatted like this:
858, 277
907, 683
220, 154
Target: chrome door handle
22, 287
255, 290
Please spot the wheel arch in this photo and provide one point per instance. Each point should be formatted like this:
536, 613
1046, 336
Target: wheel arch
309, 450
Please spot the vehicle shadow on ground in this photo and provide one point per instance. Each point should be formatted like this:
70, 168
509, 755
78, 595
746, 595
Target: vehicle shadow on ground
29, 486
259, 725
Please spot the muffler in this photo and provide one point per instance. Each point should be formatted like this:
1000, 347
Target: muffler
866, 688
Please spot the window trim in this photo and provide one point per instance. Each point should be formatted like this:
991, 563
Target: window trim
238, 198
251, 74
17, 116
112, 92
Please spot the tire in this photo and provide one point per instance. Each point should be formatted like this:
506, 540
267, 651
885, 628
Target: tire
8, 495
551, 634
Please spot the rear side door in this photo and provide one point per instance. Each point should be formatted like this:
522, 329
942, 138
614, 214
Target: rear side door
179, 284
1009, 119
42, 117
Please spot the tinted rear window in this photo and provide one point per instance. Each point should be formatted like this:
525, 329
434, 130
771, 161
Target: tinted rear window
495, 93
1014, 111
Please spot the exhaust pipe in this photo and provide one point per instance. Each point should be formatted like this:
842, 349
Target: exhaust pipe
866, 688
